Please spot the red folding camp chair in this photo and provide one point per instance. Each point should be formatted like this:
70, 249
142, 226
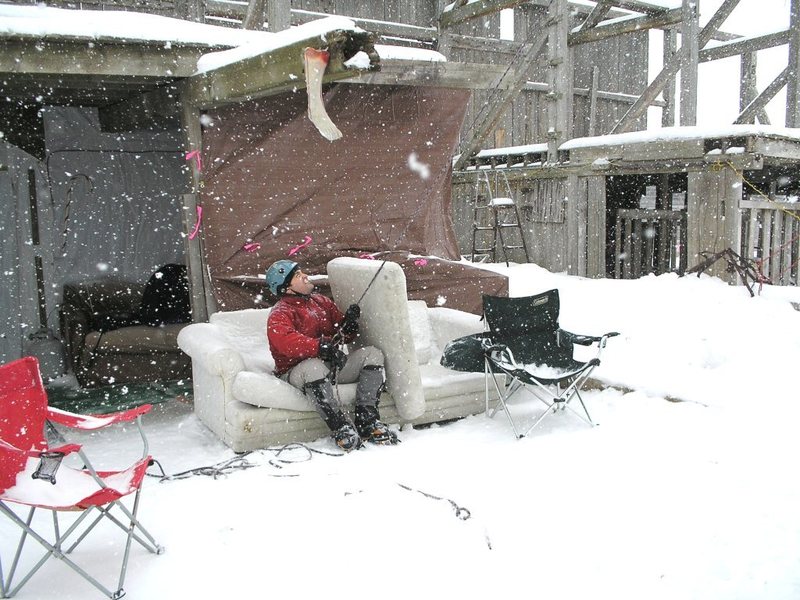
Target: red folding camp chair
31, 474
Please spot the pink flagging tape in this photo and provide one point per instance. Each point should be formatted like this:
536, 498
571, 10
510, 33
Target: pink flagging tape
197, 224
306, 241
195, 154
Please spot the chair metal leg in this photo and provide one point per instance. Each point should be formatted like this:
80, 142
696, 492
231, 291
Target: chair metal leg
53, 550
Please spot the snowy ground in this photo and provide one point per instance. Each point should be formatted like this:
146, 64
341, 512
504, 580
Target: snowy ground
694, 498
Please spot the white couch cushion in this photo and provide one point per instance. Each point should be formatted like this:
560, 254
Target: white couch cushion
247, 332
384, 323
420, 330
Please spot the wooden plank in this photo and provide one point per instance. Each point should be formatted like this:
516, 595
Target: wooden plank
279, 15
596, 226
560, 79
593, 101
597, 14
618, 236
105, 57
789, 226
776, 247
669, 112
602, 32
255, 15
438, 74
748, 88
459, 14
689, 40
581, 239
753, 44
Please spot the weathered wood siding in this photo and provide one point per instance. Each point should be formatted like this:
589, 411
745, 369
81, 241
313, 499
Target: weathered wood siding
562, 218
714, 219
771, 237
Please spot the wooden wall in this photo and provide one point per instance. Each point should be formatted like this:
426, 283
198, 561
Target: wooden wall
563, 219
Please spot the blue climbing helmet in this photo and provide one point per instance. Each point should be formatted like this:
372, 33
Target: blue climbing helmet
279, 276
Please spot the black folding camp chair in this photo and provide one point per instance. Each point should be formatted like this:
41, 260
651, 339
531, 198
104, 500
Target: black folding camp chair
525, 349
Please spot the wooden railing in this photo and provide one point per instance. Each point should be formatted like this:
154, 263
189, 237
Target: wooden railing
771, 237
649, 241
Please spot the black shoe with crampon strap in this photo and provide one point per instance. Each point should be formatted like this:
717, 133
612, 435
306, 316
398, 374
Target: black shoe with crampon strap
371, 429
347, 438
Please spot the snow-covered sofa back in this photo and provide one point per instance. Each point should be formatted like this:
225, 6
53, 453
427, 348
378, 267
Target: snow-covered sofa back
237, 396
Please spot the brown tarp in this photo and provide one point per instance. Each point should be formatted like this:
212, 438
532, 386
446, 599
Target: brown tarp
270, 180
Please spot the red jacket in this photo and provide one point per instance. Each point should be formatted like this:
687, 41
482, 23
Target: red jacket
295, 326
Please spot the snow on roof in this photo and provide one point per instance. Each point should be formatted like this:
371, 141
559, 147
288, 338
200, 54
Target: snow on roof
43, 21
528, 149
683, 133
407, 53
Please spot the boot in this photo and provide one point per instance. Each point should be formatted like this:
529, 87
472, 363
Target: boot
370, 428
320, 393
367, 419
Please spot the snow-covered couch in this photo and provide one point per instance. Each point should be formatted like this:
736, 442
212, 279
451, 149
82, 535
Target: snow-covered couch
239, 399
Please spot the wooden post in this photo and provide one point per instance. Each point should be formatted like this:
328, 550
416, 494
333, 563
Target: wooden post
596, 226
560, 71
279, 15
203, 302
573, 217
690, 29
670, 48
714, 217
190, 10
748, 89
593, 101
793, 84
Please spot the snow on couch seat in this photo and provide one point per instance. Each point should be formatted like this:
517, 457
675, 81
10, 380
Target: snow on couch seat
237, 396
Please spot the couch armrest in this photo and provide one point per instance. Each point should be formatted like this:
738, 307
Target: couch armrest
449, 324
206, 344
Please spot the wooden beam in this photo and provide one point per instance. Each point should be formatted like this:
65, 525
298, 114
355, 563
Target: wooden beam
763, 98
59, 56
593, 101
602, 32
277, 70
668, 93
560, 77
753, 44
507, 89
689, 40
597, 14
439, 74
748, 88
459, 14
255, 15
793, 83
279, 15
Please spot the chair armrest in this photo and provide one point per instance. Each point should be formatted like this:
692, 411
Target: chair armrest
206, 344
91, 422
585, 340
63, 449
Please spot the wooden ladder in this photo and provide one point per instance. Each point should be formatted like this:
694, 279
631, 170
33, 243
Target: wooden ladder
491, 216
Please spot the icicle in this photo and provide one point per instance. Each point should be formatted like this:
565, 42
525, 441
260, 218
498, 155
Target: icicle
316, 61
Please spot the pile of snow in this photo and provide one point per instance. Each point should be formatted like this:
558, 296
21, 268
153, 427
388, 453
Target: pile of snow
663, 500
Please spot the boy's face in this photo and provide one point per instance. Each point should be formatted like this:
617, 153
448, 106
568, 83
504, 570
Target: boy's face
300, 283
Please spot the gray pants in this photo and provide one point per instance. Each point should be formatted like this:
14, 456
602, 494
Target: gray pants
314, 369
